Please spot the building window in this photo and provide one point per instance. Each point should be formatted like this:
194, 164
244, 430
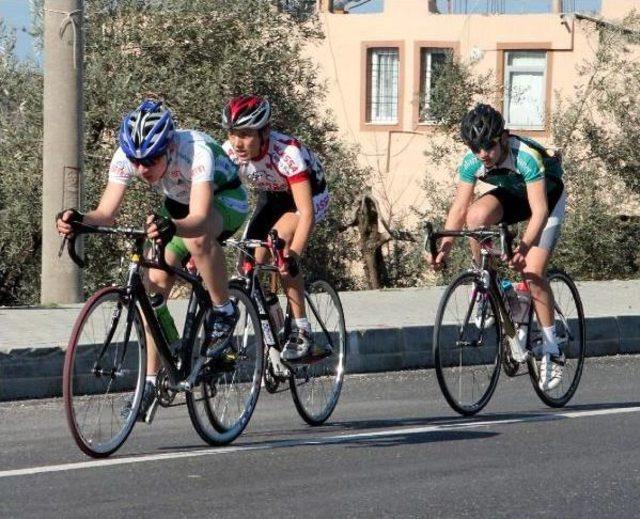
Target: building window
431, 63
383, 66
525, 89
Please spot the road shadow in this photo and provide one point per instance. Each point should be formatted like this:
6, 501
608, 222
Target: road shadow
390, 439
371, 433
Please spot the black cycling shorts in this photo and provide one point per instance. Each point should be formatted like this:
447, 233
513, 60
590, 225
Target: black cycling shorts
515, 204
271, 206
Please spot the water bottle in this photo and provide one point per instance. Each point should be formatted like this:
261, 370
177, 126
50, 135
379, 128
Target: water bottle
519, 341
275, 311
164, 318
521, 316
510, 296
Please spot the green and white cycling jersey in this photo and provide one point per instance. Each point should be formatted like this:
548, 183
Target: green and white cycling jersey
193, 157
525, 163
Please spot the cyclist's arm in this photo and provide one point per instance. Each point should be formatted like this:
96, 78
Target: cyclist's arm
107, 210
537, 197
200, 207
458, 211
303, 199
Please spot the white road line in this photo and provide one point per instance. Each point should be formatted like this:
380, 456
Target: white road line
339, 438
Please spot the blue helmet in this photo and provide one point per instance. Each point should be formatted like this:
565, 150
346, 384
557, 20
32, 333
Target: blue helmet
147, 131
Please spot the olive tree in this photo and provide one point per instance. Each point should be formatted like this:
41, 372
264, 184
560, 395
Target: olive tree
194, 55
20, 174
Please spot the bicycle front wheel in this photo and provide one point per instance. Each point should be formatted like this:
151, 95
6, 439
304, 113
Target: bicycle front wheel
226, 394
466, 344
570, 332
104, 372
316, 387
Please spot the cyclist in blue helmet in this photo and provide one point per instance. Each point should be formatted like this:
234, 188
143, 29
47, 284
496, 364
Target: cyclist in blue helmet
147, 131
204, 204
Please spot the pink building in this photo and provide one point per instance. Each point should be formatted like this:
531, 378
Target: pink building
379, 67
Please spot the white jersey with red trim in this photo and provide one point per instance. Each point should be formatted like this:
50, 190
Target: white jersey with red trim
284, 162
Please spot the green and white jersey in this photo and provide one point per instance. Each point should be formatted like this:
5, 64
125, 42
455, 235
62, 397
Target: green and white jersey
193, 157
525, 163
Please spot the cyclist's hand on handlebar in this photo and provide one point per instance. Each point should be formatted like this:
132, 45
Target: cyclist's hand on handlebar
160, 229
290, 267
518, 260
439, 262
65, 220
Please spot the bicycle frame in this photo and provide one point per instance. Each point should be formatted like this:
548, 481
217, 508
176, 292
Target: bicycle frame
182, 377
251, 279
486, 271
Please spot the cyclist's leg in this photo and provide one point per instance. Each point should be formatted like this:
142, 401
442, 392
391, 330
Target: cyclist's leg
265, 214
286, 227
537, 261
227, 215
159, 282
486, 210
300, 343
294, 286
209, 258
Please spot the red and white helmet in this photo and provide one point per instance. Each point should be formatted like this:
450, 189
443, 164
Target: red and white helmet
246, 112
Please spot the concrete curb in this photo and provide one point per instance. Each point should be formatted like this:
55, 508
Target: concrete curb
37, 372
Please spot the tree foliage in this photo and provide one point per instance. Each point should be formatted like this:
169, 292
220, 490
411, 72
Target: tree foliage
195, 54
598, 129
20, 174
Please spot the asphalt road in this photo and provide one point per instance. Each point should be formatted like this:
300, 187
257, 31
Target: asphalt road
392, 449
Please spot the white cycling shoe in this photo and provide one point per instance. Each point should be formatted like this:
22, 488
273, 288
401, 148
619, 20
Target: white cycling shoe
551, 367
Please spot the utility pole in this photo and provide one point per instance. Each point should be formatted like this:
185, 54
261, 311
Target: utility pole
62, 144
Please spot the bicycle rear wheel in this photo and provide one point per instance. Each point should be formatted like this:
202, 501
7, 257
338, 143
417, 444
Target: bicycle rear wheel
466, 345
570, 331
226, 394
316, 387
104, 372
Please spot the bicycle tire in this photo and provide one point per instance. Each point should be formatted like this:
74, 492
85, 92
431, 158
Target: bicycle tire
87, 380
220, 384
571, 332
324, 378
460, 363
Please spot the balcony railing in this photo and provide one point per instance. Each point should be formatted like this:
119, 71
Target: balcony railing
515, 6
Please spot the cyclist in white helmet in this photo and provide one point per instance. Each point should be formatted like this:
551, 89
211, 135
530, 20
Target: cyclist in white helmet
204, 204
292, 198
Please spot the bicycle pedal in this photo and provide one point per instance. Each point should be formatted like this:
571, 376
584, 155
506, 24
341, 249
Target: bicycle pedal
229, 355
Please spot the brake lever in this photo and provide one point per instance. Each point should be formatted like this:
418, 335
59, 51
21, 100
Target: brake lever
64, 242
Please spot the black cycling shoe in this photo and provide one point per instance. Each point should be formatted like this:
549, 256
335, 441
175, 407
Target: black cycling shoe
301, 346
148, 406
218, 329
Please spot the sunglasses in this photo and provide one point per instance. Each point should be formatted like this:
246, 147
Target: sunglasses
147, 163
486, 146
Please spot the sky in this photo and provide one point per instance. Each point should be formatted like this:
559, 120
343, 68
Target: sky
16, 13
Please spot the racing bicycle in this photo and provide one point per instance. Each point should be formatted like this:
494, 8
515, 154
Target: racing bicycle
315, 383
105, 361
475, 324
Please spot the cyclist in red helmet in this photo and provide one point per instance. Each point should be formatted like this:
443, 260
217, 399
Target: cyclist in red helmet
292, 198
